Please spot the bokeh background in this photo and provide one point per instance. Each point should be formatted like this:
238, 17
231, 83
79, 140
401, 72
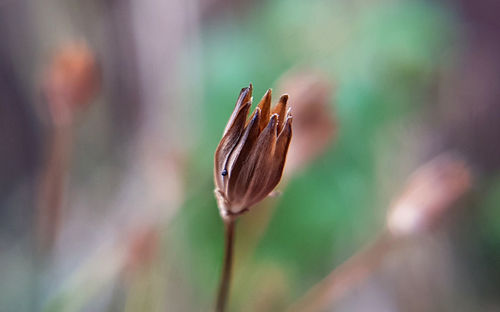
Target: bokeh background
382, 86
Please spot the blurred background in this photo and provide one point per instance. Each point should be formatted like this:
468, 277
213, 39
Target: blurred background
111, 110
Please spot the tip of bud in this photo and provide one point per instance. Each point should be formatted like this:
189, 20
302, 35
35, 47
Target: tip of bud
273, 122
256, 114
244, 91
274, 119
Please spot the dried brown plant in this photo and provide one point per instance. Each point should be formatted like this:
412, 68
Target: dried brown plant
250, 158
249, 163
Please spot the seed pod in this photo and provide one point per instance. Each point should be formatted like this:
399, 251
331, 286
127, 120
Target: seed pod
251, 155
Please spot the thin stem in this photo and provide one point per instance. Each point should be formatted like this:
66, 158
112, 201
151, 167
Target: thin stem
222, 296
346, 277
51, 189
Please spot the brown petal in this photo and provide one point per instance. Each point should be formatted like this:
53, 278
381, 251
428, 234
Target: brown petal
280, 109
243, 167
244, 97
228, 142
265, 106
279, 156
256, 170
277, 163
244, 146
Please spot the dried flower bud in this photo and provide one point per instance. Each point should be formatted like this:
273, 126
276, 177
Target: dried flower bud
71, 80
430, 192
315, 125
251, 155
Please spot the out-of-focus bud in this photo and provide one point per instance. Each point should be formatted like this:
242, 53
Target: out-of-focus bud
142, 248
251, 155
70, 81
430, 192
314, 123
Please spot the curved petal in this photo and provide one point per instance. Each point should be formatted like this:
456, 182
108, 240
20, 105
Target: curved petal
243, 147
228, 142
244, 97
279, 157
253, 174
280, 109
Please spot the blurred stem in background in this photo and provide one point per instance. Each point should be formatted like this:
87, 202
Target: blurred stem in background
347, 276
53, 181
430, 193
69, 83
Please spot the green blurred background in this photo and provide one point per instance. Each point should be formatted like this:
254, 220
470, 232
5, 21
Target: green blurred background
140, 228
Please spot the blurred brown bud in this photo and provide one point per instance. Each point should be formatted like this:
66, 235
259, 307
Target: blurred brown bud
251, 155
70, 81
430, 192
143, 246
314, 121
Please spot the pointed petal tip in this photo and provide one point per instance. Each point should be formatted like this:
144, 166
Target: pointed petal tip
266, 99
246, 91
265, 106
267, 96
242, 96
273, 121
256, 113
287, 127
254, 118
281, 106
245, 96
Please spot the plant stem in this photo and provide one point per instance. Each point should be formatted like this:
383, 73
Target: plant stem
347, 276
52, 184
222, 296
